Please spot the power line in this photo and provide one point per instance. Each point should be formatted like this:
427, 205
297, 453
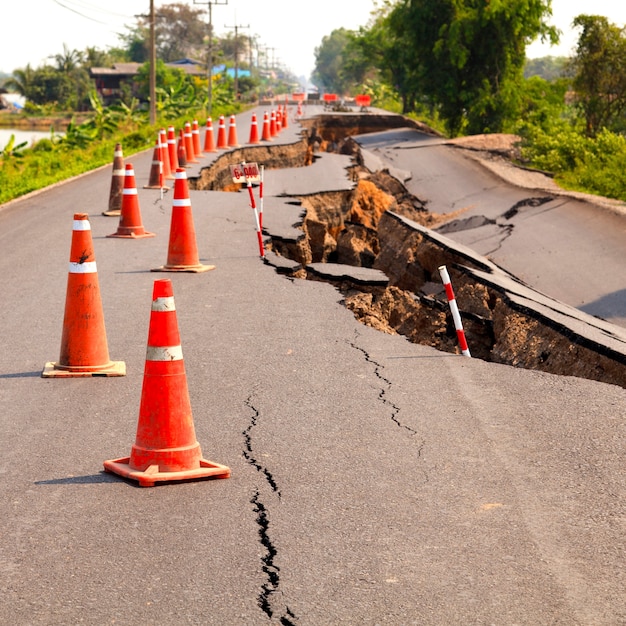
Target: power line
93, 19
92, 7
87, 7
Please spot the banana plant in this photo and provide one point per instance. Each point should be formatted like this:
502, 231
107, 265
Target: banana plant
103, 119
11, 150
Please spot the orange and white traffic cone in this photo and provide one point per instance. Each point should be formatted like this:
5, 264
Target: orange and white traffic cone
273, 131
209, 140
117, 183
84, 348
195, 135
130, 226
222, 141
284, 120
182, 152
165, 154
182, 253
299, 111
165, 448
232, 133
266, 135
254, 130
172, 150
157, 178
279, 120
188, 137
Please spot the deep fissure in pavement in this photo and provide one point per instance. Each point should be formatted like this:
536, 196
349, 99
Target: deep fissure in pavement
248, 453
269, 566
381, 227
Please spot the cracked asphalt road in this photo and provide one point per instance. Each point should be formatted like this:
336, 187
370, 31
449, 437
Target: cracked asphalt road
571, 249
374, 481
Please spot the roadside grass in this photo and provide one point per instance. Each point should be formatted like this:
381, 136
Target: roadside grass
81, 150
46, 163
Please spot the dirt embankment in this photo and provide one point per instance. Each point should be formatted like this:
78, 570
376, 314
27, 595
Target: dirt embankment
380, 226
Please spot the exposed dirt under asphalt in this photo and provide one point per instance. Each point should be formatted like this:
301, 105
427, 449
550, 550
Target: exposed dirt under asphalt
371, 227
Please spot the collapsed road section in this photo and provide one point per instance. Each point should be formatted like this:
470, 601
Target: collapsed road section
377, 243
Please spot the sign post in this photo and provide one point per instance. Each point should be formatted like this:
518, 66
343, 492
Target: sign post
248, 173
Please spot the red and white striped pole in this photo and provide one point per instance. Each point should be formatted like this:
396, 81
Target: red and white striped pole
261, 199
458, 324
256, 214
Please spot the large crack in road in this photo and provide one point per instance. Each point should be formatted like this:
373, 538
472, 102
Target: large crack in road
389, 234
271, 570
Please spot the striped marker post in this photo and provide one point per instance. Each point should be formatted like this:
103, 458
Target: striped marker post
261, 199
256, 214
458, 324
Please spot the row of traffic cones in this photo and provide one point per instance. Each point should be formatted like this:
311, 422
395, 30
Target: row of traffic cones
84, 349
170, 153
165, 448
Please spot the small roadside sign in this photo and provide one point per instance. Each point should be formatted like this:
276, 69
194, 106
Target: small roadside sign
245, 173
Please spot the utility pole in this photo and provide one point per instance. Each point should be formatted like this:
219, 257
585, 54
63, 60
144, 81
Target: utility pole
210, 4
271, 63
152, 65
237, 27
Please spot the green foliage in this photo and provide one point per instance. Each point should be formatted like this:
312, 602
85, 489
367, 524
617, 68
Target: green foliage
65, 85
581, 163
179, 31
329, 61
548, 68
52, 160
103, 120
599, 71
12, 150
542, 104
462, 57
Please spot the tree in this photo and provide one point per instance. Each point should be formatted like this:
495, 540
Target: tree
548, 68
180, 33
43, 85
136, 44
69, 63
22, 80
599, 69
329, 60
68, 60
467, 56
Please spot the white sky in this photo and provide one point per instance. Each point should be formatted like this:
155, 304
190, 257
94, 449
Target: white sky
33, 30
564, 12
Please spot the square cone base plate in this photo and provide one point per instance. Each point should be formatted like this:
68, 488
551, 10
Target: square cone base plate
152, 475
116, 368
184, 268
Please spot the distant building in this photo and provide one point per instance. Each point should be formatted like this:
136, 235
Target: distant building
110, 80
11, 101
